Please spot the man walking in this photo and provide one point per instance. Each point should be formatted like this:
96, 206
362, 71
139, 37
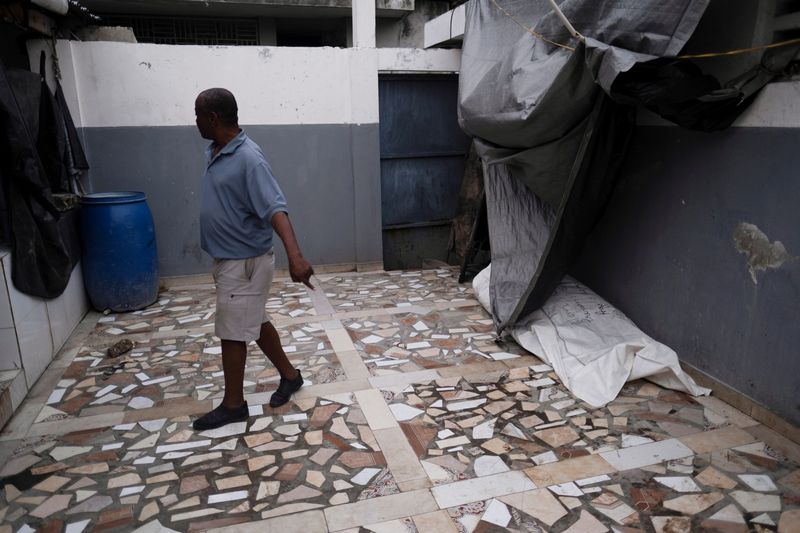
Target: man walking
241, 206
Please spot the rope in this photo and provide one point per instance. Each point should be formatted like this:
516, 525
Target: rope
531, 31
740, 50
737, 51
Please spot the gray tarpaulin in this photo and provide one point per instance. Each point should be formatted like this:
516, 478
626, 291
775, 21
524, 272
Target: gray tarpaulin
550, 139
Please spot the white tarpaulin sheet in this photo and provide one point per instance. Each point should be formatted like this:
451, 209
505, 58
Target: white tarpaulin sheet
593, 347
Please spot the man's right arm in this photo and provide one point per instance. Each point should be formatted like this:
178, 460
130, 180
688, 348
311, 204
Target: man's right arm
299, 269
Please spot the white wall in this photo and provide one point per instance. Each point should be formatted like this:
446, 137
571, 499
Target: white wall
417, 60
124, 84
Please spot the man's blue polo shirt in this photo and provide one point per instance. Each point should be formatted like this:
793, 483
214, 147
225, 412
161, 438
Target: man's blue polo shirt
240, 196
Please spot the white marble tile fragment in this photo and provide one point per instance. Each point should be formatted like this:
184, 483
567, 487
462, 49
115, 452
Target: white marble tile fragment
227, 496
759, 482
647, 454
153, 425
566, 489
484, 430
592, 480
628, 441
156, 381
763, 519
486, 465
110, 397
501, 356
56, 396
237, 428
403, 412
497, 513
545, 458
679, 483
140, 402
164, 448
728, 513
127, 491
417, 345
468, 404
77, 527
755, 502
366, 474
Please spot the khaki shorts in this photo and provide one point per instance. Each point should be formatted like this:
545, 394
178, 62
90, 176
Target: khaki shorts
242, 289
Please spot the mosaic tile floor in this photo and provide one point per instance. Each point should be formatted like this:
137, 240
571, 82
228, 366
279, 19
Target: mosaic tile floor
416, 419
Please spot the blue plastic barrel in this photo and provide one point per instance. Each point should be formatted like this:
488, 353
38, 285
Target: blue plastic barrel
119, 260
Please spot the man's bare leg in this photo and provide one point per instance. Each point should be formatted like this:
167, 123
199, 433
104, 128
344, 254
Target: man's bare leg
234, 356
291, 380
233, 407
270, 344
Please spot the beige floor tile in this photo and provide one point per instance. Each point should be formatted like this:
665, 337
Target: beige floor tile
402, 461
539, 503
436, 522
587, 523
475, 369
405, 378
353, 365
482, 488
187, 408
340, 340
520, 362
777, 441
717, 439
375, 409
62, 427
336, 387
776, 423
318, 298
306, 522
569, 470
734, 415
414, 484
379, 510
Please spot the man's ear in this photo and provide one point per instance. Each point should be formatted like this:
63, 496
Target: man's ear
213, 118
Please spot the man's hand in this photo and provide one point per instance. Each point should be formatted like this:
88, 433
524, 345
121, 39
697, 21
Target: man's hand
301, 271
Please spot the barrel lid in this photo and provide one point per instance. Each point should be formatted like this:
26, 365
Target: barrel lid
120, 197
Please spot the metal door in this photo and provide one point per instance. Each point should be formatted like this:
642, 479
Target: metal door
422, 165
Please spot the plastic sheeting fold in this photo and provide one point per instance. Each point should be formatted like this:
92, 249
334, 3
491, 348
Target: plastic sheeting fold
593, 347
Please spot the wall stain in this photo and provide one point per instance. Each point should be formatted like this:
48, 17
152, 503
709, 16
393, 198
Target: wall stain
761, 254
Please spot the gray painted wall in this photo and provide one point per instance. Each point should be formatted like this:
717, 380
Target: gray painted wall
665, 254
330, 175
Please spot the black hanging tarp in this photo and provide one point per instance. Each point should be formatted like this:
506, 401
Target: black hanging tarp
552, 123
33, 166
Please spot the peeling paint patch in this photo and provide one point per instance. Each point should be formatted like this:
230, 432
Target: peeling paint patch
761, 254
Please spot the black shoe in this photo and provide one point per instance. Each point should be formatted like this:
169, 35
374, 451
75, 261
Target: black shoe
221, 416
286, 388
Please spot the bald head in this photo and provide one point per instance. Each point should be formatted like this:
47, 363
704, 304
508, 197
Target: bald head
222, 102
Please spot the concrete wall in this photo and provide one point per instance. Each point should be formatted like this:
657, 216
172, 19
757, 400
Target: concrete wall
313, 110
700, 246
307, 108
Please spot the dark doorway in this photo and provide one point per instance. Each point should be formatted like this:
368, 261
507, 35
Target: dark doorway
422, 165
